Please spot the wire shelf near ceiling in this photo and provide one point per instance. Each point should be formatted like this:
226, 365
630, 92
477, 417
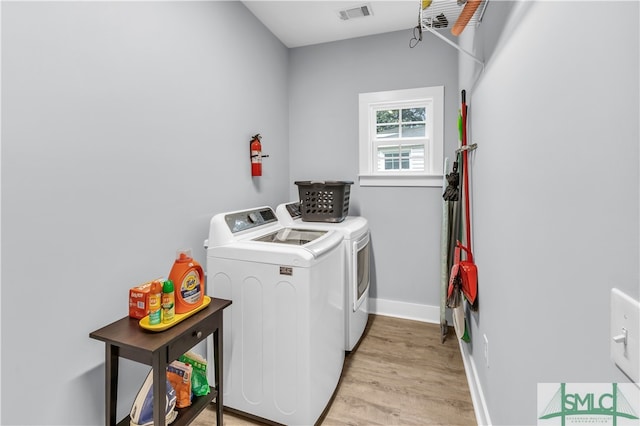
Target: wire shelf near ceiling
443, 14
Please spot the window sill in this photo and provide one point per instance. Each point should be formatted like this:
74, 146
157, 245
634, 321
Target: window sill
401, 180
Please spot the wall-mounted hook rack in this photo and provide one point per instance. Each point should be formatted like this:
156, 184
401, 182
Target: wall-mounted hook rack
471, 147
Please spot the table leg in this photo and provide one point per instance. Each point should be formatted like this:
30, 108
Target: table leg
159, 365
218, 359
111, 383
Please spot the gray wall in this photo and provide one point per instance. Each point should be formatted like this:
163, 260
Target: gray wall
405, 222
125, 127
555, 114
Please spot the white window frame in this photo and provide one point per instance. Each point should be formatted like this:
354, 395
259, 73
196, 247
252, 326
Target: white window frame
433, 97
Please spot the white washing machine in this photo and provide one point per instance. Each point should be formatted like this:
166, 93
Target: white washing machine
283, 333
356, 260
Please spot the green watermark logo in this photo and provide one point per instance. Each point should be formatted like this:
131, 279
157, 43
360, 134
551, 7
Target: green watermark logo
588, 403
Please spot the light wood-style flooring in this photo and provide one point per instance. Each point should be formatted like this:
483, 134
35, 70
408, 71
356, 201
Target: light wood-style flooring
400, 374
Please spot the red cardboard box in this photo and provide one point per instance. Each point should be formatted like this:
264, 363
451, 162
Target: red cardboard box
139, 299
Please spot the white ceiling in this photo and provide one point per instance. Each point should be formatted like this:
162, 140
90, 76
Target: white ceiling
304, 22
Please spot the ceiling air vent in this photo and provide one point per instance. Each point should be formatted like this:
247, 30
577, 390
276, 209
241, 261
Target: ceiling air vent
356, 12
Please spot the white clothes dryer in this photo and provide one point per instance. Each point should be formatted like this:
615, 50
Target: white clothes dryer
356, 261
283, 333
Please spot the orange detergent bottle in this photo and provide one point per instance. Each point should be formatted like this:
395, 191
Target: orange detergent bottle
188, 277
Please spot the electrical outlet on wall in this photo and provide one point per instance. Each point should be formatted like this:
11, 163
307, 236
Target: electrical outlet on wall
486, 349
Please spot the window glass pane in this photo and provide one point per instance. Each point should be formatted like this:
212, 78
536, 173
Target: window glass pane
388, 131
416, 157
413, 130
387, 157
397, 157
413, 114
387, 116
391, 162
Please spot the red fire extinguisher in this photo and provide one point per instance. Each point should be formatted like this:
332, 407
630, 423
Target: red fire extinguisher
256, 155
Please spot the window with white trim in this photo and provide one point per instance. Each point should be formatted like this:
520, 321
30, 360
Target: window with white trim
401, 137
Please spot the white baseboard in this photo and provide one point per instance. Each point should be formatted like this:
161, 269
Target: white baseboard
431, 314
412, 311
477, 396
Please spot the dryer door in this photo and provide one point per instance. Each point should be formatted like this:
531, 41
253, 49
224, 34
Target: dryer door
360, 279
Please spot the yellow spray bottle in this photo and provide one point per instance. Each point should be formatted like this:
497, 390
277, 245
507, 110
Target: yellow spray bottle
168, 302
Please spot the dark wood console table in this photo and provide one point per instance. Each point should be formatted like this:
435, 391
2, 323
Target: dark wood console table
125, 338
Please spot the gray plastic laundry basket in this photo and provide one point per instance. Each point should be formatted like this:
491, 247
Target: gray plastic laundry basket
324, 201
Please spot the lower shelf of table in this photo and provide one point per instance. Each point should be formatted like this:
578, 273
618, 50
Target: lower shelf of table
187, 414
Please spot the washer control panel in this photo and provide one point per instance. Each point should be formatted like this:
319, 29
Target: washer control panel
248, 219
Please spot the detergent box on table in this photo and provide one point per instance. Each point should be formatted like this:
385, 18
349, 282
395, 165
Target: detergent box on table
139, 299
